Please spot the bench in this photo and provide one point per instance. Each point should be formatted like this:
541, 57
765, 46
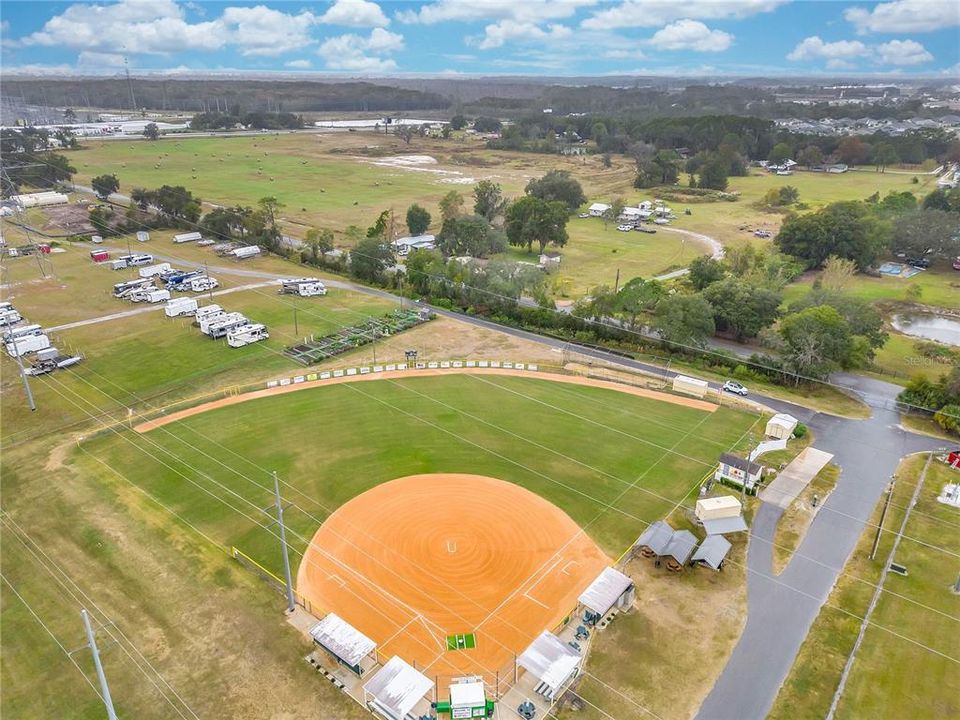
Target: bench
544, 690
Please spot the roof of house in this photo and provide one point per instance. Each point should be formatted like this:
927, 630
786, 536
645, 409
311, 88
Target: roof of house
416, 240
783, 419
751, 468
398, 686
720, 502
722, 526
599, 206
550, 659
342, 639
656, 537
681, 545
712, 551
604, 592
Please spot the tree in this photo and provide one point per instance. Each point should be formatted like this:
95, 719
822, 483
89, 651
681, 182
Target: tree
488, 199
487, 125
846, 229
176, 203
271, 208
853, 151
451, 205
404, 132
69, 115
472, 235
225, 223
319, 242
102, 219
742, 309
685, 320
370, 259
636, 297
105, 185
885, 154
816, 342
558, 185
379, 229
810, 156
704, 271
458, 122
598, 132
916, 233
418, 219
713, 174
532, 220
837, 274
897, 203
141, 197
943, 199
779, 153
151, 131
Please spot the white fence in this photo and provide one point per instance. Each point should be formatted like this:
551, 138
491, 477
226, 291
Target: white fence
767, 446
395, 367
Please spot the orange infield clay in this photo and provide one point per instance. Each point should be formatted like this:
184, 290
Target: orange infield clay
417, 559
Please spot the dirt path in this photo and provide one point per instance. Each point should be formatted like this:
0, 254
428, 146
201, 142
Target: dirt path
401, 374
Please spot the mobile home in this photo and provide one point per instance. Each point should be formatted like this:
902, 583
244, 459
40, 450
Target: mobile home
247, 334
208, 321
248, 251
154, 270
304, 287
207, 310
221, 326
180, 306
26, 344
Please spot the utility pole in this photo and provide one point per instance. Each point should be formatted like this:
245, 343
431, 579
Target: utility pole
886, 505
23, 376
296, 326
104, 688
616, 283
291, 604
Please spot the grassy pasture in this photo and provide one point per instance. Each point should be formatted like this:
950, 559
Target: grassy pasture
335, 442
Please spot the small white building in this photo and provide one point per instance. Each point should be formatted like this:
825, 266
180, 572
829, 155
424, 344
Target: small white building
597, 209
690, 386
714, 508
403, 246
396, 689
781, 426
611, 589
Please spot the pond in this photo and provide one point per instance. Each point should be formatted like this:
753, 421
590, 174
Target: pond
929, 327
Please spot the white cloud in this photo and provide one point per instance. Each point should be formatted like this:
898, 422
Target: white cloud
361, 54
355, 13
4, 26
299, 64
653, 13
510, 30
528, 11
903, 52
903, 16
264, 31
624, 54
691, 35
837, 54
90, 59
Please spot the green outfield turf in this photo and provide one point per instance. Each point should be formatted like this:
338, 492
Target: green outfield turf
613, 462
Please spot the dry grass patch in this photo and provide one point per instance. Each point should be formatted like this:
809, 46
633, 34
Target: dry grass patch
796, 519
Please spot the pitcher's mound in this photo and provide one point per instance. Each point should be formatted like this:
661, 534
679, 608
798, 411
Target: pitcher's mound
415, 560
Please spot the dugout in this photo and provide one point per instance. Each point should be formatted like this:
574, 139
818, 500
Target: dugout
712, 552
395, 691
344, 642
552, 662
612, 589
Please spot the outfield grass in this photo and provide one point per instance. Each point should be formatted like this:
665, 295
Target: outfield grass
332, 443
891, 676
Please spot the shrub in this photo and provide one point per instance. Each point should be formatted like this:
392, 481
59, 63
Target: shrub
800, 431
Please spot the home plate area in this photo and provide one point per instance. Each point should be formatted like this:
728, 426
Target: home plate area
458, 576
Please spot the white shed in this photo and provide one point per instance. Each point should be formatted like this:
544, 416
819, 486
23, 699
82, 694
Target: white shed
597, 209
611, 588
714, 508
343, 641
550, 660
781, 426
396, 689
690, 386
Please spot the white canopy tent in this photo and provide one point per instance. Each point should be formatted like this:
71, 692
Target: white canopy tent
396, 689
609, 589
550, 659
342, 640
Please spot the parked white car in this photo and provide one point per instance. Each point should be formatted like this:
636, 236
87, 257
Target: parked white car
624, 228
732, 386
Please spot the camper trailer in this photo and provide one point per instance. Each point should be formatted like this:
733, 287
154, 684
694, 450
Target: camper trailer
207, 310
9, 317
222, 325
209, 321
180, 306
123, 289
304, 287
154, 270
247, 334
203, 283
20, 346
22, 331
187, 237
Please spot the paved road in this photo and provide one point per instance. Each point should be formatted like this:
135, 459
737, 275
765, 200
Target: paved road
781, 609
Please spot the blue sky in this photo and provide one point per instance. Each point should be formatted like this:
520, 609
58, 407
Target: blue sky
528, 37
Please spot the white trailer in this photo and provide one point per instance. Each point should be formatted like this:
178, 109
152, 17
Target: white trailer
206, 310
180, 306
304, 287
23, 331
6, 306
96, 239
212, 320
154, 270
187, 237
118, 264
155, 296
203, 283
141, 294
247, 335
9, 317
25, 345
142, 236
248, 251
138, 260
221, 326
